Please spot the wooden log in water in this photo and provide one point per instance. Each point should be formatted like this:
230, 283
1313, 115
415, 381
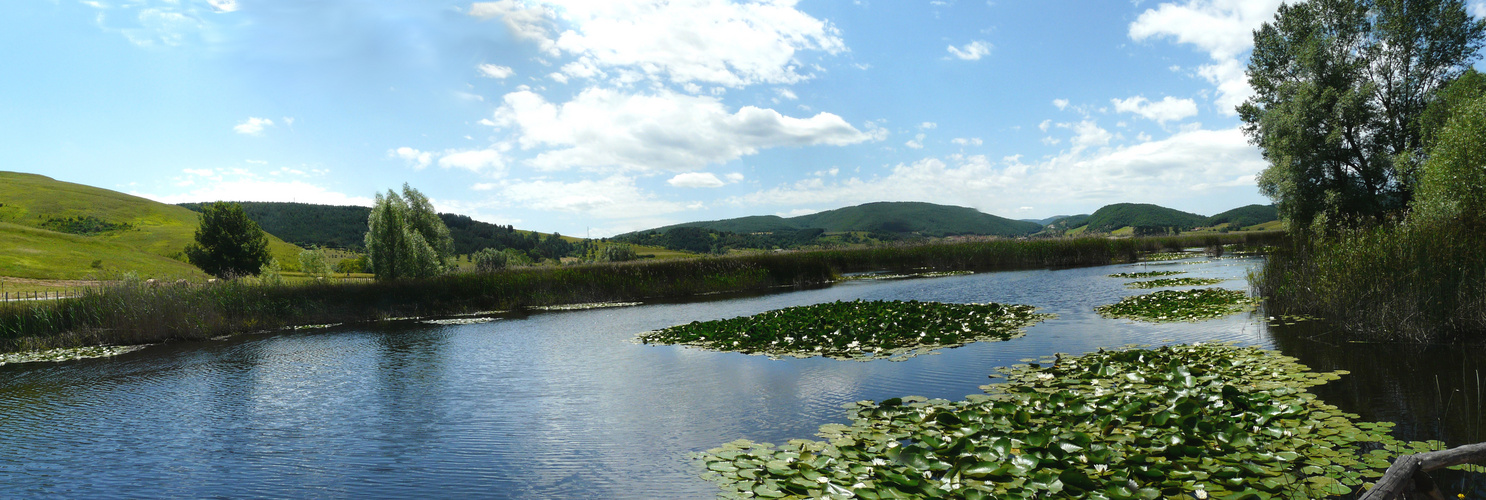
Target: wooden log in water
1406, 478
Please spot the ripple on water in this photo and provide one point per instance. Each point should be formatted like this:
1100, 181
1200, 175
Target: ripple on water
550, 405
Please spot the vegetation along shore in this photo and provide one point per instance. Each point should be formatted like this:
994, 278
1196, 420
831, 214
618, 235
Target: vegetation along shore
135, 312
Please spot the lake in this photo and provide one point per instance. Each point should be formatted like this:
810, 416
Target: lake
566, 405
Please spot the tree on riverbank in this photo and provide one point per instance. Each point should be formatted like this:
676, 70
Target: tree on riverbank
228, 244
1340, 87
405, 237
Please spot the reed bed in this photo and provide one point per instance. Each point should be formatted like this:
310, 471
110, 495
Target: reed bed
136, 312
1413, 282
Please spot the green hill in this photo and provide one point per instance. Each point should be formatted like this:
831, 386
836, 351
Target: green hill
926, 219
1142, 216
51, 229
344, 227
1241, 217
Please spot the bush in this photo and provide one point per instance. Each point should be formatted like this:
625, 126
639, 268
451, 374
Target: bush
617, 253
489, 260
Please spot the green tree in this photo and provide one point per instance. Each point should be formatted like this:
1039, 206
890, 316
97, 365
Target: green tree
313, 262
228, 244
489, 260
405, 238
1339, 89
617, 253
1452, 184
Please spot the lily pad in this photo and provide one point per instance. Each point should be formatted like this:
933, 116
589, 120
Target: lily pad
858, 330
1179, 305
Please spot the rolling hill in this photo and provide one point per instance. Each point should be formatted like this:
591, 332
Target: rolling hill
925, 219
51, 229
1246, 216
1142, 215
332, 226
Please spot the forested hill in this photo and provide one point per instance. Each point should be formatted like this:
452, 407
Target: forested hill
925, 219
332, 226
1246, 216
1142, 216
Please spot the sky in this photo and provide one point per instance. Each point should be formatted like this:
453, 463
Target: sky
599, 117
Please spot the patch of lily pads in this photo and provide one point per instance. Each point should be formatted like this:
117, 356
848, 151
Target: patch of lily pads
1165, 256
1179, 305
856, 330
899, 276
1185, 421
1146, 274
458, 321
66, 354
1170, 282
584, 306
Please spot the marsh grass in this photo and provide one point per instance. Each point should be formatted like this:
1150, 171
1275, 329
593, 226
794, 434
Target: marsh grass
1415, 281
134, 312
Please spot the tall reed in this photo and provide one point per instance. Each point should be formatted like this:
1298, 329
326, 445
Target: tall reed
134, 312
1413, 281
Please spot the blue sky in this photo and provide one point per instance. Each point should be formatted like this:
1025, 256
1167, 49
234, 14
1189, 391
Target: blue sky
604, 116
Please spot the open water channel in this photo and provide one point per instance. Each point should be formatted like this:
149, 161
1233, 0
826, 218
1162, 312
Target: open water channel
565, 405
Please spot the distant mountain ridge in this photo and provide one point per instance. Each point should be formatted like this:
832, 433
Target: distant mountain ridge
927, 219
1142, 215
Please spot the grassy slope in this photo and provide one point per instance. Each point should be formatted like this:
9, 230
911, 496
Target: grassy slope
160, 231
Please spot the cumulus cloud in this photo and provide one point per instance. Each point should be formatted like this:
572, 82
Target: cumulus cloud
1222, 28
613, 197
235, 184
253, 126
971, 51
1201, 162
664, 130
495, 71
696, 180
916, 143
490, 161
967, 141
419, 159
703, 41
223, 5
1165, 110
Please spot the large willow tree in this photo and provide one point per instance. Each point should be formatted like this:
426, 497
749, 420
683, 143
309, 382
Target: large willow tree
405, 237
1339, 88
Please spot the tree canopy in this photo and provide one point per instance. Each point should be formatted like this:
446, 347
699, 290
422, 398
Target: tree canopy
228, 244
1339, 90
405, 237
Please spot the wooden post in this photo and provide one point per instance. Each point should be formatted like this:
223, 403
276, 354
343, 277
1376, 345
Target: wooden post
1409, 470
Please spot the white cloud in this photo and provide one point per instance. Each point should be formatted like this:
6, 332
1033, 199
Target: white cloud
1088, 134
489, 161
707, 41
232, 184
613, 197
916, 143
1202, 162
967, 141
1044, 125
786, 94
696, 180
1060, 103
733, 177
971, 51
1222, 28
525, 23
253, 126
224, 5
1165, 110
419, 159
665, 130
928, 125
495, 71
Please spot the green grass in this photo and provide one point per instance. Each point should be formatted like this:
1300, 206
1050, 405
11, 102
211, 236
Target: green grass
158, 232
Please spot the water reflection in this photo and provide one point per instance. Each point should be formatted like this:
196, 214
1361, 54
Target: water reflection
564, 405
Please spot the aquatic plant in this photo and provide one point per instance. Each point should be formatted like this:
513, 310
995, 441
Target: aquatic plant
1166, 282
854, 330
1146, 274
1165, 256
1178, 305
66, 354
1187, 421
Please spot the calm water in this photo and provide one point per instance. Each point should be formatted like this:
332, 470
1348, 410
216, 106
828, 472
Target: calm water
564, 405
